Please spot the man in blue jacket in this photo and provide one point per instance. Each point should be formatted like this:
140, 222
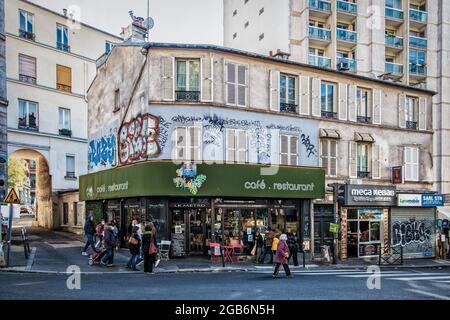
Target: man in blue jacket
89, 231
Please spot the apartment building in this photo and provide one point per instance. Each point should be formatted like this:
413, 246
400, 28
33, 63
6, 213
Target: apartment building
213, 144
401, 41
51, 63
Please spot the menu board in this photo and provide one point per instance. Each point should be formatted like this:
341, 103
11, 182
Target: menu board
178, 245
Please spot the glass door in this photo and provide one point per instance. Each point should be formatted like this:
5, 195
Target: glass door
196, 231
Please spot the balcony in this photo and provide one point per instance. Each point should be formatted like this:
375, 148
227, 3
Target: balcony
319, 61
416, 42
394, 42
329, 114
320, 8
288, 107
346, 64
395, 69
27, 35
63, 46
364, 174
363, 119
411, 125
346, 38
347, 7
63, 87
27, 79
65, 132
188, 96
319, 36
417, 18
394, 17
417, 70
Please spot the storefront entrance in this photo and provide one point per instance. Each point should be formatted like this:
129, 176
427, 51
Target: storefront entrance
364, 230
323, 216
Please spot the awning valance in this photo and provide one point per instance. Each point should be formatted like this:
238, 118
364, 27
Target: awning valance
364, 137
329, 133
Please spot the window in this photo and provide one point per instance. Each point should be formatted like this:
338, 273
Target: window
26, 25
70, 166
417, 57
288, 150
117, 100
246, 24
234, 13
75, 214
363, 159
287, 93
364, 105
64, 122
396, 4
65, 213
236, 84
236, 145
261, 36
411, 112
316, 52
27, 69
28, 115
62, 38
188, 143
234, 35
63, 78
188, 80
108, 46
328, 156
327, 99
261, 11
411, 159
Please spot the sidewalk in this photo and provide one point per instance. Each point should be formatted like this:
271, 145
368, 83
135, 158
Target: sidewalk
55, 251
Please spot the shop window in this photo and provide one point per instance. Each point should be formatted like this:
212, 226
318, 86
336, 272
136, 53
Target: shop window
156, 214
328, 156
288, 150
236, 145
363, 232
188, 143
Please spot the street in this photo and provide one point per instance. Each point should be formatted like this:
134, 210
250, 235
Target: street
405, 284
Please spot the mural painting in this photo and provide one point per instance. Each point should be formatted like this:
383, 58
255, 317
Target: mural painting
416, 235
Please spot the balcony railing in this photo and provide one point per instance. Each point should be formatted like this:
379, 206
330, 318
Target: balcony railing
28, 79
346, 64
63, 46
320, 33
417, 69
417, 42
411, 125
394, 13
31, 125
63, 87
182, 95
65, 132
364, 119
288, 107
320, 5
27, 35
394, 68
364, 174
417, 15
348, 7
393, 41
319, 61
329, 114
346, 35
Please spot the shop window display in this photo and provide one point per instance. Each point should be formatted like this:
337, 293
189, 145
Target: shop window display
363, 232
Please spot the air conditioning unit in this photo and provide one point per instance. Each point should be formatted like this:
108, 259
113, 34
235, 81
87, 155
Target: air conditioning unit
355, 181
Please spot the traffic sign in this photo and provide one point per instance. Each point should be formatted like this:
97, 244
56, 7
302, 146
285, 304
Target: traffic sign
12, 197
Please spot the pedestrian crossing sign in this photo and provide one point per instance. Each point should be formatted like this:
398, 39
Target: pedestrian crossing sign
12, 197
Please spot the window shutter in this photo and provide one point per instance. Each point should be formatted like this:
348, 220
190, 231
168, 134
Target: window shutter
274, 145
242, 85
422, 113
376, 106
352, 103
315, 99
274, 90
376, 161
304, 95
401, 110
231, 83
342, 104
333, 157
294, 150
353, 172
322, 147
168, 64
207, 79
415, 163
27, 66
64, 75
407, 163
242, 146
230, 145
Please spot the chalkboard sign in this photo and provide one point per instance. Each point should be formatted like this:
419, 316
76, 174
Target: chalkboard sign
178, 245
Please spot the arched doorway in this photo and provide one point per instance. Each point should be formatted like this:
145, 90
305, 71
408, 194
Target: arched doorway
43, 186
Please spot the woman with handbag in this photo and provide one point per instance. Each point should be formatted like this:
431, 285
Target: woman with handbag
134, 243
149, 248
281, 257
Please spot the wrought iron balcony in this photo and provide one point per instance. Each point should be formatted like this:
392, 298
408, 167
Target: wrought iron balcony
63, 46
346, 35
417, 69
65, 132
320, 5
27, 35
329, 114
182, 95
348, 7
394, 13
27, 79
394, 68
417, 42
288, 107
364, 174
394, 41
364, 119
411, 125
418, 15
320, 33
63, 87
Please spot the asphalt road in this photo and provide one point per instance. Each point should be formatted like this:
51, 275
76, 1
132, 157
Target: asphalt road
405, 284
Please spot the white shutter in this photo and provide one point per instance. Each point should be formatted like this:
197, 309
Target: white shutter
352, 170
230, 81
342, 102
274, 146
315, 99
376, 106
241, 85
401, 110
415, 163
304, 95
422, 113
376, 161
352, 103
407, 163
333, 155
230, 145
253, 146
241, 146
293, 151
207, 79
322, 146
168, 64
274, 90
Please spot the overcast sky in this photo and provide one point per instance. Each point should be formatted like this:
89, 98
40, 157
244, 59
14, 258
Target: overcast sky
182, 21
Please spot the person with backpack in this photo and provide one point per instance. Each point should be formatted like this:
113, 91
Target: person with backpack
268, 240
149, 247
109, 242
134, 243
89, 231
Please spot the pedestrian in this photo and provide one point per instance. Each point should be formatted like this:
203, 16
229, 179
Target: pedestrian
134, 243
292, 242
116, 232
281, 257
276, 239
259, 242
268, 240
89, 231
109, 242
99, 231
149, 249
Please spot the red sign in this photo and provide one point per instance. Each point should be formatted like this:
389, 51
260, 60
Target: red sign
397, 175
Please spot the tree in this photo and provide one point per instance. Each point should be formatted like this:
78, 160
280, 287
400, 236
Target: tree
16, 173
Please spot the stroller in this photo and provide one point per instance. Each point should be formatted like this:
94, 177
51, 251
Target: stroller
98, 254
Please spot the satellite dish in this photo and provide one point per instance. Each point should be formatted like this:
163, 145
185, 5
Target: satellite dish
149, 23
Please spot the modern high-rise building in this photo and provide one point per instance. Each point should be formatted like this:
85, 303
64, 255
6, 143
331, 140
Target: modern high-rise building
3, 105
394, 40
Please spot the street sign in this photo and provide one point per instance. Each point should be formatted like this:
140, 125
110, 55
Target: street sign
334, 227
12, 197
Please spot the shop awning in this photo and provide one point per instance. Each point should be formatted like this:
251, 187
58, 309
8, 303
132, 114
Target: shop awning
444, 213
329, 133
363, 137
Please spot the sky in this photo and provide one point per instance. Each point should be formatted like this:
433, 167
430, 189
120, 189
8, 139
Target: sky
178, 21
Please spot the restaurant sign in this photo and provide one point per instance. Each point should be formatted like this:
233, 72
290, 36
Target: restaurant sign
367, 195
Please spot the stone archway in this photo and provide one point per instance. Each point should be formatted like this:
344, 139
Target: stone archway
44, 201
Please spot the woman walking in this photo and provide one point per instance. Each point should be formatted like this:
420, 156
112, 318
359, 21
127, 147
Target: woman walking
149, 248
281, 257
134, 243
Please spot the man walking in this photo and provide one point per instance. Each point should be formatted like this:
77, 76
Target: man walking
268, 240
89, 231
109, 241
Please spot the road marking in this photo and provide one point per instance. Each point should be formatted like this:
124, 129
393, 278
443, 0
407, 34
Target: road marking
29, 283
66, 244
388, 274
422, 278
429, 294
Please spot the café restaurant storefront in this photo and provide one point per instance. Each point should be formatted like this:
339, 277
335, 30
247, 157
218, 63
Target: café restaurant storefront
194, 205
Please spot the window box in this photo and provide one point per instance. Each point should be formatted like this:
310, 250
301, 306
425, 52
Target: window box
411, 125
288, 107
27, 35
65, 132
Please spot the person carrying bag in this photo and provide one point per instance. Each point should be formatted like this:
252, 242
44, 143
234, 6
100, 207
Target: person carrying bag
149, 248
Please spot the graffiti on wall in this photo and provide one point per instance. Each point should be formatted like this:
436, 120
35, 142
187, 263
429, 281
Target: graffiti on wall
102, 149
138, 139
416, 236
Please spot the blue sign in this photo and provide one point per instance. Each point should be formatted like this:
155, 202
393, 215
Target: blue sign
432, 200
445, 224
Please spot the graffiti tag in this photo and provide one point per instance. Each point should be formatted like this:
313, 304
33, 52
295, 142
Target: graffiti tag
102, 152
408, 232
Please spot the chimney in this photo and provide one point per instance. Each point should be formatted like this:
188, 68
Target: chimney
281, 55
136, 31
65, 12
